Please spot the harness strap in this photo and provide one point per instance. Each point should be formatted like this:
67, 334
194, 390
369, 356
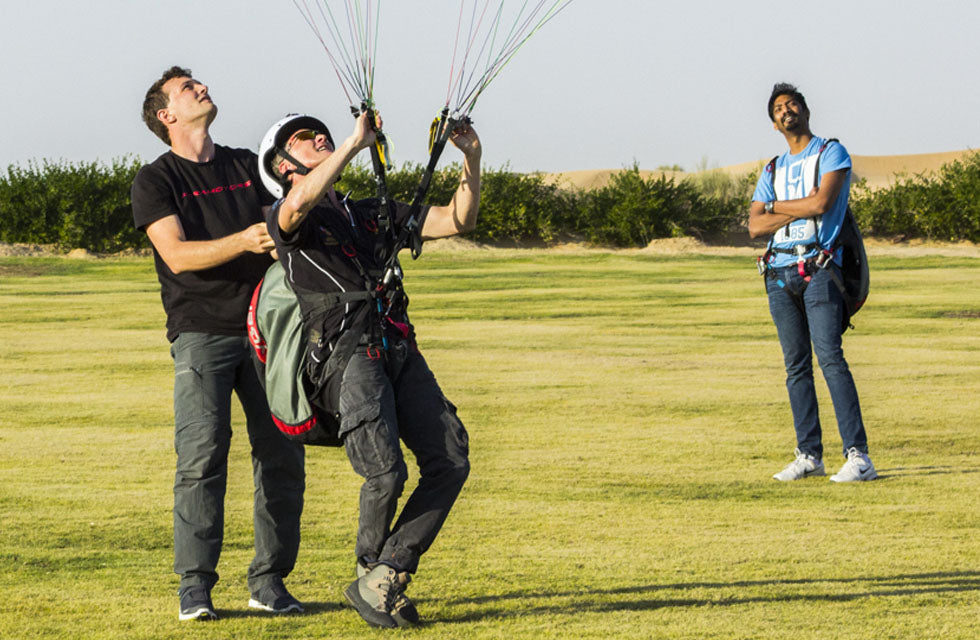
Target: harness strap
840, 283
771, 169
411, 232
806, 248
320, 302
301, 168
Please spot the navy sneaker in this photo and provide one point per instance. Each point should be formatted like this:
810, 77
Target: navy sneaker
195, 604
274, 597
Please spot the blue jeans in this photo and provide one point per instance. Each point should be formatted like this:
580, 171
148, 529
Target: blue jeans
207, 368
812, 313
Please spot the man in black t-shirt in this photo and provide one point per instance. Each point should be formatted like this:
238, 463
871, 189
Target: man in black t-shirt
200, 204
333, 252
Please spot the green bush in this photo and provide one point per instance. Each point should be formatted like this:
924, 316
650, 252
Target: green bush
943, 206
71, 205
358, 179
523, 207
30, 209
88, 204
632, 210
514, 207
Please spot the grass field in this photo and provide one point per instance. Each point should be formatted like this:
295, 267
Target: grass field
626, 412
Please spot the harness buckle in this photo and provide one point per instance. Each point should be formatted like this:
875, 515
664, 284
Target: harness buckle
823, 258
800, 261
348, 250
373, 352
762, 262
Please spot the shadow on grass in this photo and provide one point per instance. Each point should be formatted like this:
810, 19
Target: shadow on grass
925, 471
311, 608
825, 590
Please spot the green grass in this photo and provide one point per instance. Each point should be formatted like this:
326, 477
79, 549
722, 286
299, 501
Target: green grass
626, 412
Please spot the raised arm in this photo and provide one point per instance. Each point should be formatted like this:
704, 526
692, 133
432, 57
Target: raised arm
180, 254
459, 216
314, 186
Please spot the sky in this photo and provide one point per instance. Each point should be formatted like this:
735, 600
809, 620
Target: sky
606, 84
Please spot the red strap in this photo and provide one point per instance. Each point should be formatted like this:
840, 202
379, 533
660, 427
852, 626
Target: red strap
251, 323
401, 326
295, 429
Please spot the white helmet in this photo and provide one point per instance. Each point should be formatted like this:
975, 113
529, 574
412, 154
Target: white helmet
273, 143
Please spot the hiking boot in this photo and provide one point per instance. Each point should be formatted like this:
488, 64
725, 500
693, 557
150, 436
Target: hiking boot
195, 604
804, 466
858, 468
274, 597
403, 610
373, 595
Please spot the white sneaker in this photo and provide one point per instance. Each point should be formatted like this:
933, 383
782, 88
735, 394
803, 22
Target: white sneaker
804, 466
857, 468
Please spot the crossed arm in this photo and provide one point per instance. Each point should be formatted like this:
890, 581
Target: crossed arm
817, 203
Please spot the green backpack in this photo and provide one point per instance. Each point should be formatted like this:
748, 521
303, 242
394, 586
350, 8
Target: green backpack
279, 346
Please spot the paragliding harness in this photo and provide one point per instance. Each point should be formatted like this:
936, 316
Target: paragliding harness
296, 362
853, 280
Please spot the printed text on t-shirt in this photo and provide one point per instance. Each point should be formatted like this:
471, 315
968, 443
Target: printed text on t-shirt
207, 192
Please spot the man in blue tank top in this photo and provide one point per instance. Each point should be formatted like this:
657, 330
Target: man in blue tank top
800, 201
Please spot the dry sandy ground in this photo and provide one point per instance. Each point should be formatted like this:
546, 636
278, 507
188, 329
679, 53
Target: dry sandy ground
34, 250
734, 246
693, 246
879, 171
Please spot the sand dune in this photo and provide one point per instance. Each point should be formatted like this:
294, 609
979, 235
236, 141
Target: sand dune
879, 171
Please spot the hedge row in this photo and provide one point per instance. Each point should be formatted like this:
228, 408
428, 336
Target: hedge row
943, 206
528, 208
87, 204
83, 205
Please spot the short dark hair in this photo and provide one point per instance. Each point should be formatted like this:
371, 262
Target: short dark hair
275, 167
156, 99
785, 89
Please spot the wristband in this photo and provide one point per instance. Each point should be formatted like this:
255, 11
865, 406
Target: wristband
768, 206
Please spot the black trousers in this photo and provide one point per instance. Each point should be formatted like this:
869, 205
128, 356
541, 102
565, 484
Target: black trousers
384, 402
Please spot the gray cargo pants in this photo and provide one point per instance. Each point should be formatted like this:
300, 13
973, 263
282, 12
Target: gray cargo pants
380, 405
207, 368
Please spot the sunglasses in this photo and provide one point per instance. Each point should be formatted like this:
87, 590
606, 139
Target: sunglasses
306, 134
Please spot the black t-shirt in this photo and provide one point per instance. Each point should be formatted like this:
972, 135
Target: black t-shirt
320, 254
212, 200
